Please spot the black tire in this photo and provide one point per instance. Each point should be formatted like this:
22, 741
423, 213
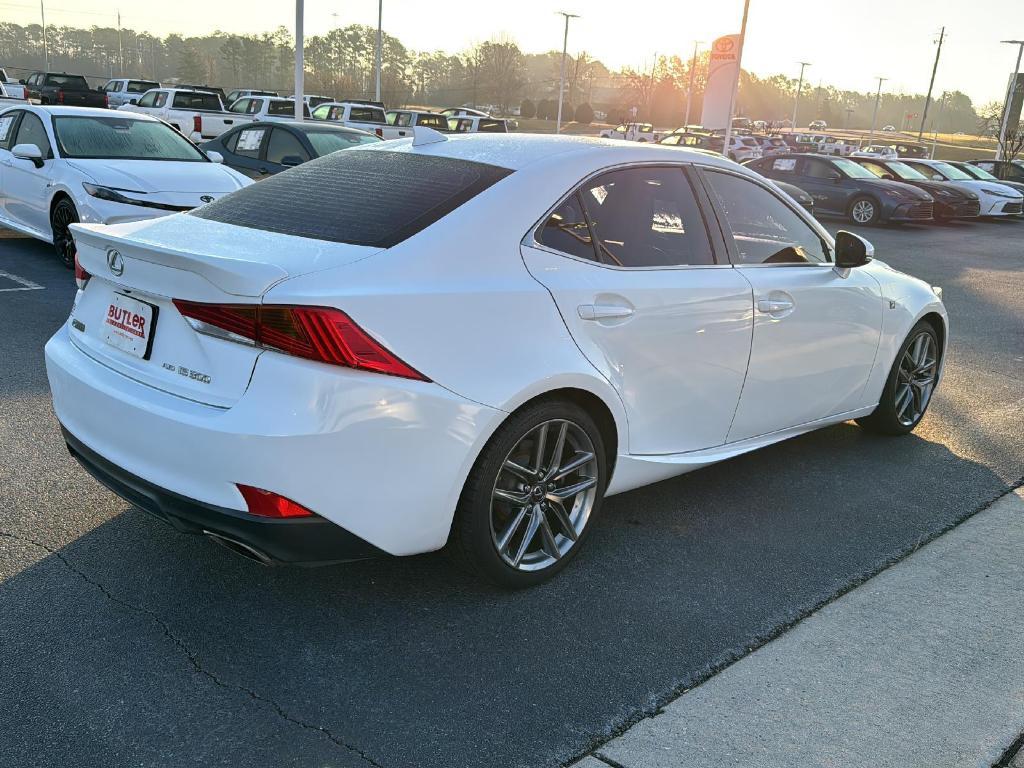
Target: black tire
472, 543
864, 200
64, 213
889, 418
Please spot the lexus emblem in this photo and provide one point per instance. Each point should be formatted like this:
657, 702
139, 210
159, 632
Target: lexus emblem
207, 198
115, 262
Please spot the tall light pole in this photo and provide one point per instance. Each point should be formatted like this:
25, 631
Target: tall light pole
736, 82
380, 44
561, 81
928, 98
689, 91
799, 87
46, 50
874, 115
1009, 97
299, 64
120, 48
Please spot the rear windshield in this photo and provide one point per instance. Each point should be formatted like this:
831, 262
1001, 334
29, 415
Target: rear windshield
498, 126
437, 122
197, 100
367, 115
71, 82
359, 197
285, 108
325, 142
141, 86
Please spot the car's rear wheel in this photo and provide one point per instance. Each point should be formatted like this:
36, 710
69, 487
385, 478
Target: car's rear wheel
864, 210
63, 216
531, 498
910, 385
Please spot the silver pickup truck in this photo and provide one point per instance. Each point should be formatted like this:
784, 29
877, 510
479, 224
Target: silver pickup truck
365, 117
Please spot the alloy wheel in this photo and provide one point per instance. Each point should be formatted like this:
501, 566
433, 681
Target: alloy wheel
63, 216
915, 379
863, 211
543, 495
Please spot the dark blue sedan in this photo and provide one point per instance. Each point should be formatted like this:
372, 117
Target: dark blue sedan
841, 187
262, 149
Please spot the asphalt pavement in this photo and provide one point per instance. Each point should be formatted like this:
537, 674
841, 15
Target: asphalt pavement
123, 642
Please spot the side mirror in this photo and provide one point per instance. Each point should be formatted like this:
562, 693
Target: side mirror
852, 250
836, 176
215, 157
292, 160
22, 81
99, 88
133, 101
29, 152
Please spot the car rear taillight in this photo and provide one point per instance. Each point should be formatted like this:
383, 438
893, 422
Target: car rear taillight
81, 276
267, 504
106, 100
324, 334
197, 124
60, 96
379, 132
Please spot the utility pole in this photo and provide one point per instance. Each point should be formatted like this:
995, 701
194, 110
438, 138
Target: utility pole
928, 98
120, 48
1010, 90
736, 82
689, 91
799, 87
561, 81
299, 63
874, 115
46, 50
380, 43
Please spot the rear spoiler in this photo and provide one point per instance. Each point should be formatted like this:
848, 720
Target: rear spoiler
221, 271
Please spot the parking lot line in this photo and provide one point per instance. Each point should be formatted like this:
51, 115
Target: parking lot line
921, 665
23, 282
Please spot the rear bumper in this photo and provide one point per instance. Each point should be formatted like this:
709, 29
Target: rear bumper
308, 541
381, 457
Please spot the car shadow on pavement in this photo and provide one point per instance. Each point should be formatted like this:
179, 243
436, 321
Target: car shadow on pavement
148, 646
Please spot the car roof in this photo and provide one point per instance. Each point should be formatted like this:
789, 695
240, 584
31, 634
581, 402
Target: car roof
57, 110
517, 151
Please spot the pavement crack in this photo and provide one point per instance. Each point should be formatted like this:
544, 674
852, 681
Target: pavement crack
189, 654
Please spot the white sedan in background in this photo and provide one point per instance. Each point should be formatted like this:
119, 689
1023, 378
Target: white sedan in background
61, 165
308, 371
996, 199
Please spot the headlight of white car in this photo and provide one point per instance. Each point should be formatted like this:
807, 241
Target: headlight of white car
111, 194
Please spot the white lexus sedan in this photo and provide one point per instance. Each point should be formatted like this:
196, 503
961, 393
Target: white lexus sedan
61, 165
471, 341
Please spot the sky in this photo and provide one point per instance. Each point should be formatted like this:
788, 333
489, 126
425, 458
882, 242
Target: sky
849, 44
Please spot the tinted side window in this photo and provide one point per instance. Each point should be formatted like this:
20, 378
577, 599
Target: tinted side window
161, 99
231, 141
492, 126
566, 230
31, 131
321, 113
818, 169
284, 144
366, 115
672, 140
148, 100
241, 105
765, 230
646, 217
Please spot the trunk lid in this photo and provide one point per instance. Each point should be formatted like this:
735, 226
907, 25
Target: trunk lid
125, 317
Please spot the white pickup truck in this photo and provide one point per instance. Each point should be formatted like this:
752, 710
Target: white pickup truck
15, 90
198, 115
641, 132
265, 108
354, 114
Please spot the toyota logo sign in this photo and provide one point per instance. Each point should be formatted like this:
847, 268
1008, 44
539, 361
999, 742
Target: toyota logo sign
207, 198
724, 44
115, 262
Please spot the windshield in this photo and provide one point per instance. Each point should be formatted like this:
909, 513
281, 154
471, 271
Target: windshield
285, 108
904, 171
978, 173
71, 82
122, 139
852, 169
950, 172
325, 142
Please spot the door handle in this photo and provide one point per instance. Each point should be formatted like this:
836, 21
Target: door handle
774, 306
603, 311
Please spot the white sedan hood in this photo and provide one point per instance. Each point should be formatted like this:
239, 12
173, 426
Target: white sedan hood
153, 176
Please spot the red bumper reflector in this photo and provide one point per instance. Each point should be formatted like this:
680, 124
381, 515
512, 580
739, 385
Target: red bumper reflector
267, 504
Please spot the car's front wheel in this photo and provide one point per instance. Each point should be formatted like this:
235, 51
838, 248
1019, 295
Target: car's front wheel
910, 385
63, 216
864, 210
531, 498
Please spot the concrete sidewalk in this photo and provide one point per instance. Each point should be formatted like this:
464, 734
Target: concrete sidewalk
922, 665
